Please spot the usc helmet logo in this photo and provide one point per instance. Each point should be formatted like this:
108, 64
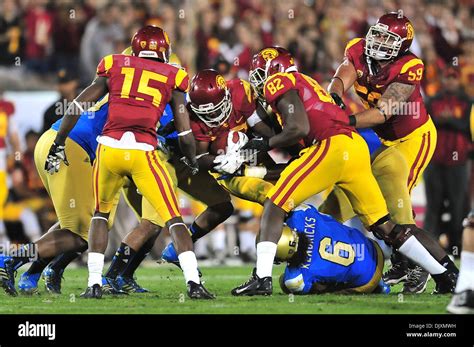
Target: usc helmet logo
220, 81
269, 54
142, 44
410, 31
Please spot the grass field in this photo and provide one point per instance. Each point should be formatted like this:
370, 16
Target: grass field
168, 295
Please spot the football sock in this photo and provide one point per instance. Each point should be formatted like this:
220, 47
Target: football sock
466, 274
120, 260
24, 255
414, 250
38, 265
188, 263
265, 255
197, 232
136, 260
63, 260
95, 263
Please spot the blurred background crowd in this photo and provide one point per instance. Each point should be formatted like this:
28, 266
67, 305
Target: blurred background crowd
56, 45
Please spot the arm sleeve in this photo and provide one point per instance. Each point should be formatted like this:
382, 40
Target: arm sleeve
411, 72
182, 80
106, 63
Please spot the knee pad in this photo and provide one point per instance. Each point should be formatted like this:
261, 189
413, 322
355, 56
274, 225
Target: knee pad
396, 237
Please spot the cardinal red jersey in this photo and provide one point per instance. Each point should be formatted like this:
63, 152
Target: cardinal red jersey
407, 69
326, 119
6, 111
243, 106
139, 90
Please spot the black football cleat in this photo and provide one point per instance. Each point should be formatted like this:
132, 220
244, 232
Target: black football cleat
462, 303
94, 292
445, 282
198, 291
254, 286
417, 280
396, 274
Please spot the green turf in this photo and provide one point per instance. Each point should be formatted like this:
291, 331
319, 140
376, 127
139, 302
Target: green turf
168, 296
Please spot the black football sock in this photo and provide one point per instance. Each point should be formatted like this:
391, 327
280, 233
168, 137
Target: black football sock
120, 260
63, 260
137, 259
38, 265
24, 254
197, 232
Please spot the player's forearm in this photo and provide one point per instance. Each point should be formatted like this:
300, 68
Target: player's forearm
91, 94
368, 118
343, 79
187, 145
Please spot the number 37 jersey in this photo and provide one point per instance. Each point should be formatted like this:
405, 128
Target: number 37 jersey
337, 254
139, 90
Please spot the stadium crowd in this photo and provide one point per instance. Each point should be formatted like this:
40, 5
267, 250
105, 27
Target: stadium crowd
58, 44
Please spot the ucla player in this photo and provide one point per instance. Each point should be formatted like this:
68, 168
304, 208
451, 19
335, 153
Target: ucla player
326, 256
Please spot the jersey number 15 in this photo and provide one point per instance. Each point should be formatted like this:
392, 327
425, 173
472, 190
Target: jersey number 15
143, 87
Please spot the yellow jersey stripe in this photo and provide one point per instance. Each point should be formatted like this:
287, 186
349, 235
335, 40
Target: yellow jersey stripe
180, 76
411, 63
108, 62
471, 117
352, 43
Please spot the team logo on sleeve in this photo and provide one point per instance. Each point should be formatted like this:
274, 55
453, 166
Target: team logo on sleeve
142, 44
269, 54
220, 81
410, 31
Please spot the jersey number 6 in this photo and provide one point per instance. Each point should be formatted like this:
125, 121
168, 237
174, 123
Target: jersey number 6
330, 251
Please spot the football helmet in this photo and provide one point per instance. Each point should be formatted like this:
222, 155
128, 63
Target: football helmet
259, 70
151, 42
391, 36
287, 245
209, 98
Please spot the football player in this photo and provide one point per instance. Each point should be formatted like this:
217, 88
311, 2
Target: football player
334, 154
387, 78
325, 256
219, 111
139, 88
463, 298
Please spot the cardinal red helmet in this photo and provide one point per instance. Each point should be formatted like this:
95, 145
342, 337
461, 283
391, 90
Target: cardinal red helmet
151, 42
391, 36
258, 69
209, 98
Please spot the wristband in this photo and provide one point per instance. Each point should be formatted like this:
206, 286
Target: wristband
352, 120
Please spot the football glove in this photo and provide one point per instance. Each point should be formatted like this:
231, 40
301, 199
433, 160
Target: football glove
193, 166
53, 160
258, 144
338, 100
228, 163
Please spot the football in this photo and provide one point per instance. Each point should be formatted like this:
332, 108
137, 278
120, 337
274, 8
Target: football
231, 140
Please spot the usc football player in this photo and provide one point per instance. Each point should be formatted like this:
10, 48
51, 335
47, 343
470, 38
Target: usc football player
220, 110
334, 154
387, 78
139, 88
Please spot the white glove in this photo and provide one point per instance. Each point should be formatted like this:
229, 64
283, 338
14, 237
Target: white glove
228, 163
233, 146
